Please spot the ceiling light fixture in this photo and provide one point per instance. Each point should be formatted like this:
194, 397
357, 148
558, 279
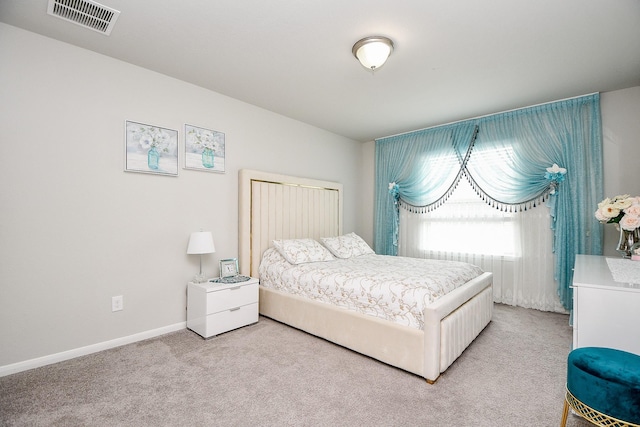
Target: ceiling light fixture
373, 51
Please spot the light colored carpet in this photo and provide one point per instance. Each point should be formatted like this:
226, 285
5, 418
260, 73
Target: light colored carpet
269, 374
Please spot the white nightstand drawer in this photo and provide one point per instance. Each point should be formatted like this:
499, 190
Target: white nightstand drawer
231, 298
214, 308
231, 319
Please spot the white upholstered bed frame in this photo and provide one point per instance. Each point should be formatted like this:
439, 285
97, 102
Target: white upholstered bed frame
273, 206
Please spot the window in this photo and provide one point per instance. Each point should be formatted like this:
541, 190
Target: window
515, 247
466, 224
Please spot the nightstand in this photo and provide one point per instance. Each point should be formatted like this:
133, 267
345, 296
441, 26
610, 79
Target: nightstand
214, 308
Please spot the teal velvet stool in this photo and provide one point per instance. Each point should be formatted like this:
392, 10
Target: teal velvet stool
603, 386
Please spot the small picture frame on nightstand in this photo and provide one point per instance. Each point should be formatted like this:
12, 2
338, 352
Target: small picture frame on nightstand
229, 267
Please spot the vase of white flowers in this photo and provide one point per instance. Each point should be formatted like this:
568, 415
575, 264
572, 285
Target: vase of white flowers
204, 139
155, 141
624, 212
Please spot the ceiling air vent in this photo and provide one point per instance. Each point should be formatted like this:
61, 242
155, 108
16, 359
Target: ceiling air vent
86, 13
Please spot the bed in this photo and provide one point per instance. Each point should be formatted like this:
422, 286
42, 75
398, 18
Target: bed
279, 207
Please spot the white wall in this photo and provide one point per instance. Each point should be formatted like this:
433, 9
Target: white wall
620, 112
621, 145
367, 196
75, 229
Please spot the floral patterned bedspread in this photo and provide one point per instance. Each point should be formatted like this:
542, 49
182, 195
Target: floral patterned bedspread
388, 287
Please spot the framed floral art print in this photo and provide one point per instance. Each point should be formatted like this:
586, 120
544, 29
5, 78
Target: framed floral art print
204, 149
150, 149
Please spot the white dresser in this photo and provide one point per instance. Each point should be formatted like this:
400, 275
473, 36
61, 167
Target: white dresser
214, 308
606, 313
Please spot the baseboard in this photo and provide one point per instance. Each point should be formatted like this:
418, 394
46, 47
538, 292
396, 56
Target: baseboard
83, 351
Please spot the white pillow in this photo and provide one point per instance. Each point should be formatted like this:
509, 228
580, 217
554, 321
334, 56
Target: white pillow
298, 251
347, 246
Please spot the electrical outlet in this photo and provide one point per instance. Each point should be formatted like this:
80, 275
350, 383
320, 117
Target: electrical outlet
117, 303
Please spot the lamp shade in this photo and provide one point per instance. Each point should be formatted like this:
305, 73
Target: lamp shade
201, 242
372, 52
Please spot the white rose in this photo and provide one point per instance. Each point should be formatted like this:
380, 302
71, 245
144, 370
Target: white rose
623, 203
610, 211
601, 217
633, 210
630, 222
605, 202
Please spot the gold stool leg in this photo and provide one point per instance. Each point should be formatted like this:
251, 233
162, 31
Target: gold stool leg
565, 413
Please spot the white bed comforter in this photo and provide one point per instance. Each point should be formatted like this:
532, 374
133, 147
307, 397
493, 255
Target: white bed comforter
388, 287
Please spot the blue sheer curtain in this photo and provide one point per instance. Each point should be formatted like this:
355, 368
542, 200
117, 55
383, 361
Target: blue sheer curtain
425, 164
424, 167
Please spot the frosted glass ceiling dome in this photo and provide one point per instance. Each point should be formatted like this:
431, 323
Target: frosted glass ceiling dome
373, 51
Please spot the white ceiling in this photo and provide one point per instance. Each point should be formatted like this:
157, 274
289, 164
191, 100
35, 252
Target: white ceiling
453, 59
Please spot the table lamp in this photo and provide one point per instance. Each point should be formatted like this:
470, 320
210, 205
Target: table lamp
200, 242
